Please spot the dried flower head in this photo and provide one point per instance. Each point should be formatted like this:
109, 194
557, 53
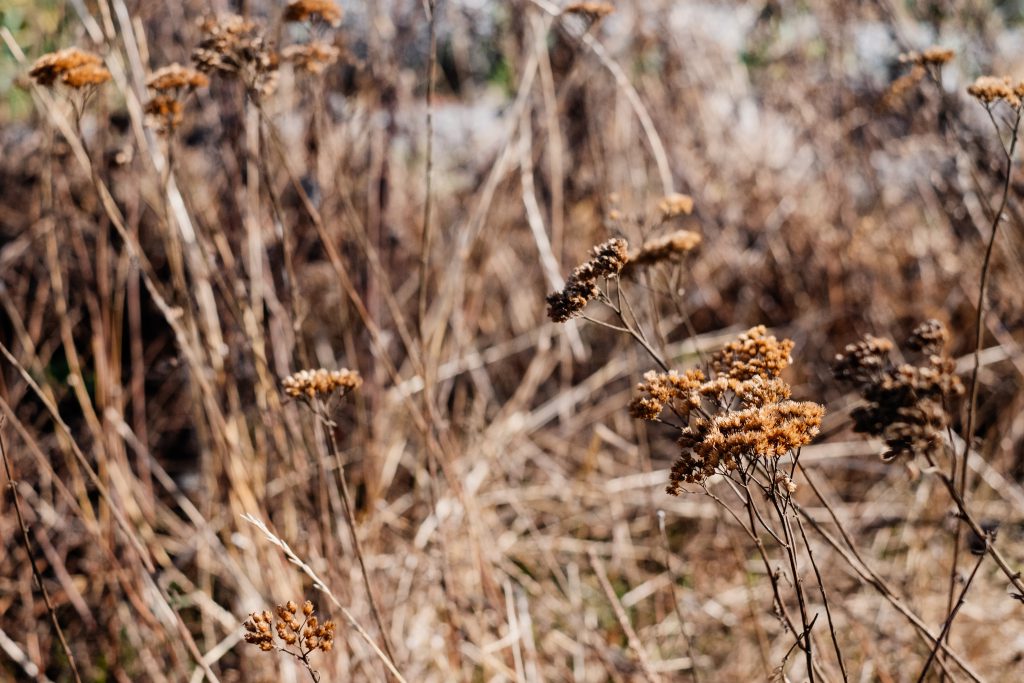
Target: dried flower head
754, 353
312, 57
171, 84
904, 403
590, 10
933, 55
320, 383
326, 11
175, 77
989, 89
903, 85
669, 248
675, 205
165, 113
606, 260
234, 45
741, 414
306, 632
76, 69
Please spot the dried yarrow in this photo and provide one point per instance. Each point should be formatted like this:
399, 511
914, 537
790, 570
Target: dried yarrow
307, 632
606, 260
905, 403
313, 11
75, 68
312, 57
320, 382
670, 248
742, 412
990, 89
234, 45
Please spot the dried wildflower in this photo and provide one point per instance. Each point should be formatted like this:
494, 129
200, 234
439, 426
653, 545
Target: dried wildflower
322, 383
312, 57
590, 10
902, 85
606, 260
171, 83
308, 634
904, 403
234, 45
165, 112
989, 89
929, 337
313, 11
672, 247
175, 77
933, 55
675, 205
754, 353
63, 64
744, 412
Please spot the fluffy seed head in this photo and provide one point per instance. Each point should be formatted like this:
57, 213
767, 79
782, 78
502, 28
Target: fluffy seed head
322, 383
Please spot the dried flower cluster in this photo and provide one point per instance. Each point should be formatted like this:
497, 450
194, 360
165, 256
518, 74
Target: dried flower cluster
990, 89
171, 84
75, 68
313, 11
235, 45
905, 402
675, 205
606, 260
320, 382
741, 414
590, 10
671, 248
308, 633
933, 55
312, 57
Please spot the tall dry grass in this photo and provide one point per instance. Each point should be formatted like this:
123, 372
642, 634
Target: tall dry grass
213, 205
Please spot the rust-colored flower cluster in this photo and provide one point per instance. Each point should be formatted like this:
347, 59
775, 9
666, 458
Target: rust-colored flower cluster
234, 45
171, 84
931, 56
75, 68
606, 260
669, 248
990, 89
308, 633
313, 11
320, 382
742, 413
590, 10
674, 205
312, 57
906, 402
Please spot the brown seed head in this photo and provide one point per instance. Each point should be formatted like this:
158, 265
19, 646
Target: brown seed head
313, 11
675, 205
176, 77
323, 383
755, 353
606, 260
312, 57
989, 89
54, 65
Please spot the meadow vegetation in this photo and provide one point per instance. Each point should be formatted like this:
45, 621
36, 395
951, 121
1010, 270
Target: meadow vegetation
522, 341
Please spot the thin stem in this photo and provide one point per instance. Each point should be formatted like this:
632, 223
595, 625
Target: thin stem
952, 615
428, 202
328, 427
31, 560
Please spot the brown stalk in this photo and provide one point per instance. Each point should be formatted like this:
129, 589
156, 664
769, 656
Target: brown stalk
31, 559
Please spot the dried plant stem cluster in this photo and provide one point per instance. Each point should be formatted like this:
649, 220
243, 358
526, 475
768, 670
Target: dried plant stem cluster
905, 403
740, 414
75, 68
291, 634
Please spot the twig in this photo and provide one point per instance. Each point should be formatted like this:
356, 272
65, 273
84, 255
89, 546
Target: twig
31, 560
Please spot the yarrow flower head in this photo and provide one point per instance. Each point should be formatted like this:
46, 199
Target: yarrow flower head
171, 84
75, 68
235, 45
606, 261
326, 11
743, 412
306, 632
905, 403
671, 248
990, 89
320, 383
